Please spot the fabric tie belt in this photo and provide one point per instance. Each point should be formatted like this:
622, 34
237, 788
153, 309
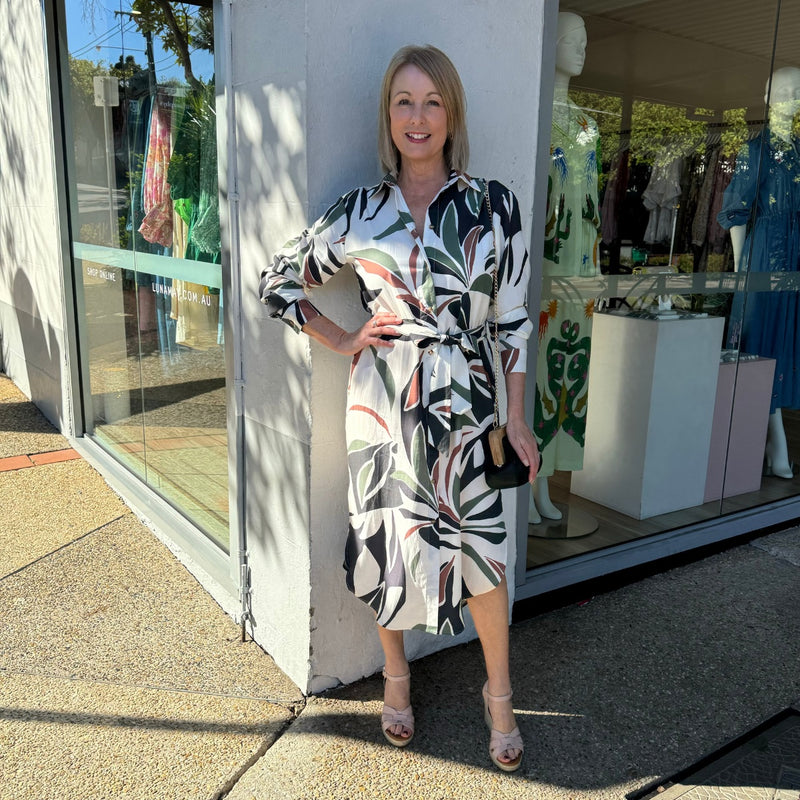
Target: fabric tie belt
444, 375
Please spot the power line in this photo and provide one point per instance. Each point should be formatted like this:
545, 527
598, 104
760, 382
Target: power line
100, 36
97, 40
104, 37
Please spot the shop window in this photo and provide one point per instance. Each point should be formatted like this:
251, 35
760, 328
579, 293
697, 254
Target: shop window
667, 387
141, 128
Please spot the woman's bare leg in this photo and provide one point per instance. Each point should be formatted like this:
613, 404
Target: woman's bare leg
490, 614
397, 694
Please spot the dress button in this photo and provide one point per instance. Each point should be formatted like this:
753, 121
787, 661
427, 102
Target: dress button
430, 352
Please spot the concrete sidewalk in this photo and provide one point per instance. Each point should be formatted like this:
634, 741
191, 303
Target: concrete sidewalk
120, 677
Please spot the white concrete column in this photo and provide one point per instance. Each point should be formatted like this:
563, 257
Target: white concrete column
33, 348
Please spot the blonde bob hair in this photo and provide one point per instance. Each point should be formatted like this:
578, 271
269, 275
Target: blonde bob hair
439, 68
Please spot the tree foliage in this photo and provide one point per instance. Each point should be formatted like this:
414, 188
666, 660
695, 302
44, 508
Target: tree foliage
661, 133
181, 28
82, 73
736, 131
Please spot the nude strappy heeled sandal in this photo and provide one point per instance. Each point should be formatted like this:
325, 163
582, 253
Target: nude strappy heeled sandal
500, 742
391, 716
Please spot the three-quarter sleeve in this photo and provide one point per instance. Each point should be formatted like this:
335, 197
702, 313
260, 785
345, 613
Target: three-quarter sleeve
514, 324
304, 262
741, 193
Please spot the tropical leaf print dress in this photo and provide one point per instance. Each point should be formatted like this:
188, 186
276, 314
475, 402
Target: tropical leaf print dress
425, 531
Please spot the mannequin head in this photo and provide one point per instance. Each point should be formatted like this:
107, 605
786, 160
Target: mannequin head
570, 45
784, 98
785, 85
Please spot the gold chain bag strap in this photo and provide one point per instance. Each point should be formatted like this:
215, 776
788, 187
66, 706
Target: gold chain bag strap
504, 468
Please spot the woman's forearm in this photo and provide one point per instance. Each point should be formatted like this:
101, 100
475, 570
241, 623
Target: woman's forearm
325, 331
519, 433
515, 395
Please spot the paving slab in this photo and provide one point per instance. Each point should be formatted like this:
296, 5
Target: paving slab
45, 507
23, 427
65, 739
610, 695
9, 391
118, 606
783, 544
331, 751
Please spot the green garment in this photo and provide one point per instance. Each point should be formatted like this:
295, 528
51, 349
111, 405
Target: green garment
193, 175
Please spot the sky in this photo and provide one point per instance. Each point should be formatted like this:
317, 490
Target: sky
109, 35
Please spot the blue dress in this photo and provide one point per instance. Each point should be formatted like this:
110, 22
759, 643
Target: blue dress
767, 323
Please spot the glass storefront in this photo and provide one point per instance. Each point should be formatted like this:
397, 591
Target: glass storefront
144, 213
667, 386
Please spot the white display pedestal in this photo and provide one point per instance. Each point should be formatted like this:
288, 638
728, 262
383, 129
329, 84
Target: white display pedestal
652, 386
739, 433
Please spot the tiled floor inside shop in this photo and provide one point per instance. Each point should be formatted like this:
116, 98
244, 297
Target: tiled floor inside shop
547, 542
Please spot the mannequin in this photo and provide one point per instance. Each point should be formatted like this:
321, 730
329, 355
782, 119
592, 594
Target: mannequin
572, 235
775, 244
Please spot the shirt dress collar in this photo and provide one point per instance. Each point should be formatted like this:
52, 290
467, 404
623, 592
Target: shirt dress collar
390, 180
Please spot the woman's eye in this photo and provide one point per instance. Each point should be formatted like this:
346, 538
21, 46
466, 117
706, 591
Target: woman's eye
403, 101
434, 103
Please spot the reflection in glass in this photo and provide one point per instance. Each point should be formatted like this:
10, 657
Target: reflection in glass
696, 320
146, 244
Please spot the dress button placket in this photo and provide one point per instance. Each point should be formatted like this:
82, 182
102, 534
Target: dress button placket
425, 308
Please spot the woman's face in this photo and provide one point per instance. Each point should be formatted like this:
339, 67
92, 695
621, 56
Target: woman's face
417, 116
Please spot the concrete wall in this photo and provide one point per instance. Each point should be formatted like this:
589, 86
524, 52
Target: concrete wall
32, 339
269, 78
306, 104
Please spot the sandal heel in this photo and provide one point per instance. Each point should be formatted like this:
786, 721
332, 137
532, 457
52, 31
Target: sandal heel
392, 716
500, 742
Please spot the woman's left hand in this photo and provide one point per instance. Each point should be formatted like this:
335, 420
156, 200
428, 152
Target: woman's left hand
524, 443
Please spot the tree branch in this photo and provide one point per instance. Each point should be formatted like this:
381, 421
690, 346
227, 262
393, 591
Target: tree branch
181, 44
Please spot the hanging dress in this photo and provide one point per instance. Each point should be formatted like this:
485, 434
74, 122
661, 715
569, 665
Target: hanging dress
425, 531
194, 191
572, 236
157, 223
767, 323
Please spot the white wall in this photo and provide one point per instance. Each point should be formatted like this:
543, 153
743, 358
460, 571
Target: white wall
32, 346
306, 80
269, 79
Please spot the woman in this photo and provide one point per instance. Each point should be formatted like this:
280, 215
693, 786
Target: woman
426, 532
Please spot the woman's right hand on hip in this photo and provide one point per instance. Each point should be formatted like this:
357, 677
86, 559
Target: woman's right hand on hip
369, 334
